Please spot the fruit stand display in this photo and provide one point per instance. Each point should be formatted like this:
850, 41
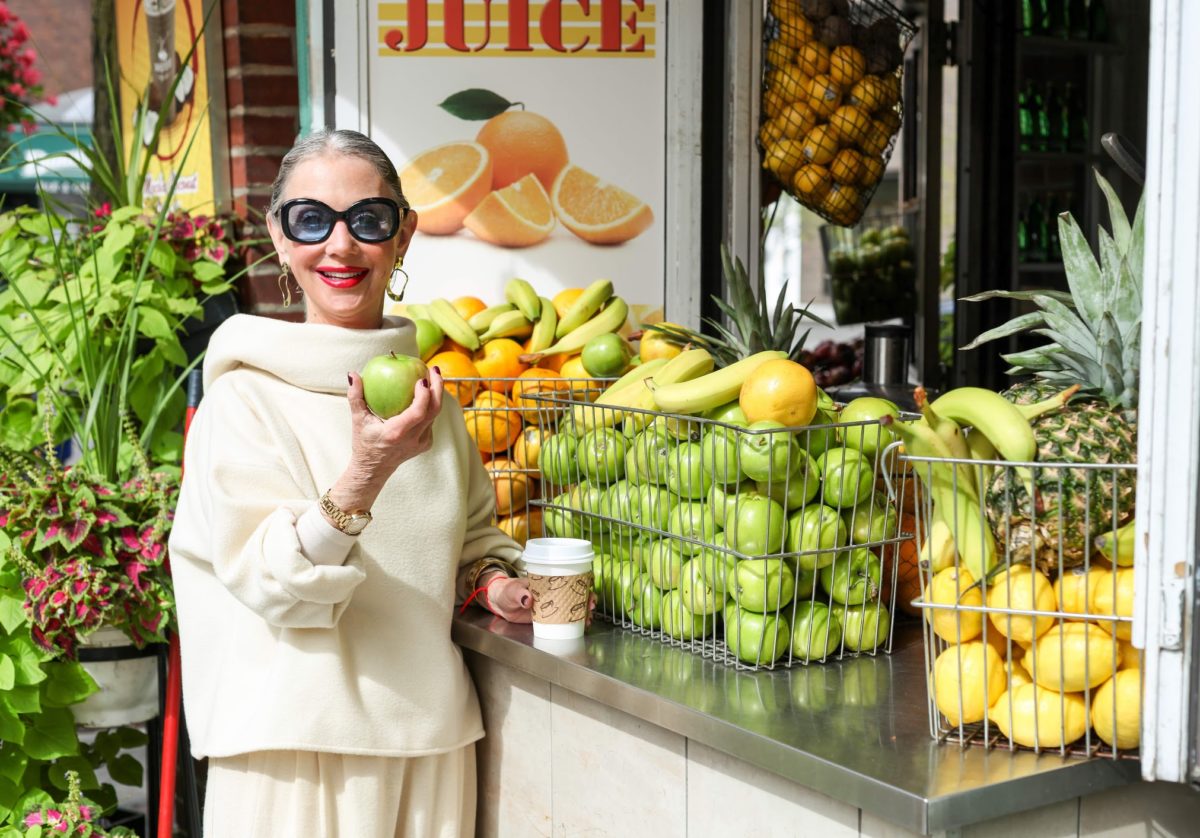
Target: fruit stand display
1027, 520
831, 94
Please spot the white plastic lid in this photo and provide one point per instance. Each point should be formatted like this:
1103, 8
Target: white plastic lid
558, 556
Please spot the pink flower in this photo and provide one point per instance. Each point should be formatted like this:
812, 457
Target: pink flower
5, 14
27, 56
32, 76
104, 211
20, 32
33, 818
80, 587
58, 599
218, 254
129, 538
51, 100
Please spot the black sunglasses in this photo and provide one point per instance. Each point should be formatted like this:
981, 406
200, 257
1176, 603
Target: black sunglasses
372, 220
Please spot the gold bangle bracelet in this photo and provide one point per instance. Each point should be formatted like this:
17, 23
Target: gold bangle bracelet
484, 565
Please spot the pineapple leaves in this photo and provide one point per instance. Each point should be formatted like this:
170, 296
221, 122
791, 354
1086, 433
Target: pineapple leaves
1116, 214
1012, 327
1066, 326
994, 294
1084, 276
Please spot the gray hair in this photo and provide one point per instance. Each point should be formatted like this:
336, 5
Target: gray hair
341, 141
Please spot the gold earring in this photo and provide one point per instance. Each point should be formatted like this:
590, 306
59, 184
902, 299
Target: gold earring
392, 295
285, 287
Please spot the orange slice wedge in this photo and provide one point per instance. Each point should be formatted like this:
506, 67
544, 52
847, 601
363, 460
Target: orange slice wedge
596, 211
516, 216
445, 183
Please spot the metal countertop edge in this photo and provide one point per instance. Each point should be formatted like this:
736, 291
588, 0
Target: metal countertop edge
896, 805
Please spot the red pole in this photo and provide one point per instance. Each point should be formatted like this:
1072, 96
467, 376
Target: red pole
174, 697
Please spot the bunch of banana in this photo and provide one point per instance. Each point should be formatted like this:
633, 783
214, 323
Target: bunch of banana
544, 328
584, 307
483, 320
712, 390
1118, 547
609, 319
453, 324
510, 324
636, 389
521, 294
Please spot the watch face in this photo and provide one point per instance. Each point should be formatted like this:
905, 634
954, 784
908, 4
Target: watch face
356, 524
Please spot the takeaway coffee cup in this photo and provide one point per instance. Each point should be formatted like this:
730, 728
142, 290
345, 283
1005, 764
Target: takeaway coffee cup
560, 581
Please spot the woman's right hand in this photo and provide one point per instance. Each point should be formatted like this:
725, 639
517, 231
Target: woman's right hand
379, 446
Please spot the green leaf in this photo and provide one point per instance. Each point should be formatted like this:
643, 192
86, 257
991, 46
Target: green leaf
475, 104
78, 764
164, 258
12, 611
1015, 326
68, 683
22, 699
12, 729
28, 663
1069, 330
9, 793
206, 270
1116, 213
153, 323
52, 734
8, 675
12, 759
1027, 296
1084, 276
126, 770
129, 737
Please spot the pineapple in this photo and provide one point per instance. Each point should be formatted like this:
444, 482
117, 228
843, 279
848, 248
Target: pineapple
757, 328
1095, 335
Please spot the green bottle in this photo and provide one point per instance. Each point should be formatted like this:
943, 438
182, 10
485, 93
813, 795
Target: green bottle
1042, 115
1025, 120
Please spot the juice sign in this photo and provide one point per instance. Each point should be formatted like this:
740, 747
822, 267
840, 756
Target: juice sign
518, 28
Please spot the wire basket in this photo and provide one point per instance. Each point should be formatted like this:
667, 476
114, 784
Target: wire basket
871, 268
831, 100
508, 427
1035, 655
754, 547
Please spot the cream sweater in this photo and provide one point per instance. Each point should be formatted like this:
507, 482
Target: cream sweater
300, 637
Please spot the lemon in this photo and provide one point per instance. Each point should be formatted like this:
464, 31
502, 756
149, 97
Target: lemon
967, 679
1074, 656
1021, 589
1034, 716
1131, 658
949, 587
1117, 709
1073, 590
1112, 593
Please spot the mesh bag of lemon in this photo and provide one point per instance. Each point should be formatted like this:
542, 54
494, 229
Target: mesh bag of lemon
831, 100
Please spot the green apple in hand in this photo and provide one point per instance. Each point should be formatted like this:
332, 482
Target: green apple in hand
854, 577
847, 477
814, 532
722, 500
720, 446
816, 632
864, 627
390, 382
692, 520
686, 476
700, 595
870, 438
758, 527
768, 456
682, 624
796, 489
664, 561
763, 585
756, 639
601, 456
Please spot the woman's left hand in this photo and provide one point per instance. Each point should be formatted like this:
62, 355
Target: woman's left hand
510, 598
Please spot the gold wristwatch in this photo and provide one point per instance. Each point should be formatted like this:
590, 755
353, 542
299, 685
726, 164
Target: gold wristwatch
351, 523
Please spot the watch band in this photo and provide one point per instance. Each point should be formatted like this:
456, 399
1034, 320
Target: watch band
351, 523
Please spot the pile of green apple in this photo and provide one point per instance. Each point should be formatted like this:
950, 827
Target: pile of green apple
720, 522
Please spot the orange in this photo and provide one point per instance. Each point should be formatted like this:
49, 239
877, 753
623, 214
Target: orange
523, 526
875, 141
869, 93
851, 123
654, 345
824, 96
820, 146
772, 131
812, 181
813, 58
583, 386
849, 166
536, 382
497, 360
796, 120
794, 29
888, 120
556, 362
846, 66
784, 158
518, 215
468, 306
780, 390
445, 183
523, 143
841, 204
528, 446
778, 54
872, 170
790, 82
564, 299
596, 211
454, 365
512, 485
493, 422
449, 345
772, 102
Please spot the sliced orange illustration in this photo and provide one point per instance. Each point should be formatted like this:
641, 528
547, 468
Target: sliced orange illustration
515, 216
522, 143
596, 211
445, 183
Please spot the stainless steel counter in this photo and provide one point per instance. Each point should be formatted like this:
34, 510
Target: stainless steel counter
856, 730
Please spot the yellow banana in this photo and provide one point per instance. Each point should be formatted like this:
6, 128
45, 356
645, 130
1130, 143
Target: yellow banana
1125, 541
996, 418
521, 294
453, 324
948, 430
480, 322
1033, 411
937, 553
586, 305
637, 393
981, 448
543, 329
511, 324
610, 319
416, 311
589, 416
712, 390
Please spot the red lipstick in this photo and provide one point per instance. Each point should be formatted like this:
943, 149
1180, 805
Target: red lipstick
341, 276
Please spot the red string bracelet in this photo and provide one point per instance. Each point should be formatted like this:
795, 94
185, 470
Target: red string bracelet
486, 603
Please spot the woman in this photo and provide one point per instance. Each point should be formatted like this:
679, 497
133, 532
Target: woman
318, 550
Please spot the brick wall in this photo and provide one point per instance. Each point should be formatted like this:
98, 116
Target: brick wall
262, 96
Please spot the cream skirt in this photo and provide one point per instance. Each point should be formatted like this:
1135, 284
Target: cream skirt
302, 794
